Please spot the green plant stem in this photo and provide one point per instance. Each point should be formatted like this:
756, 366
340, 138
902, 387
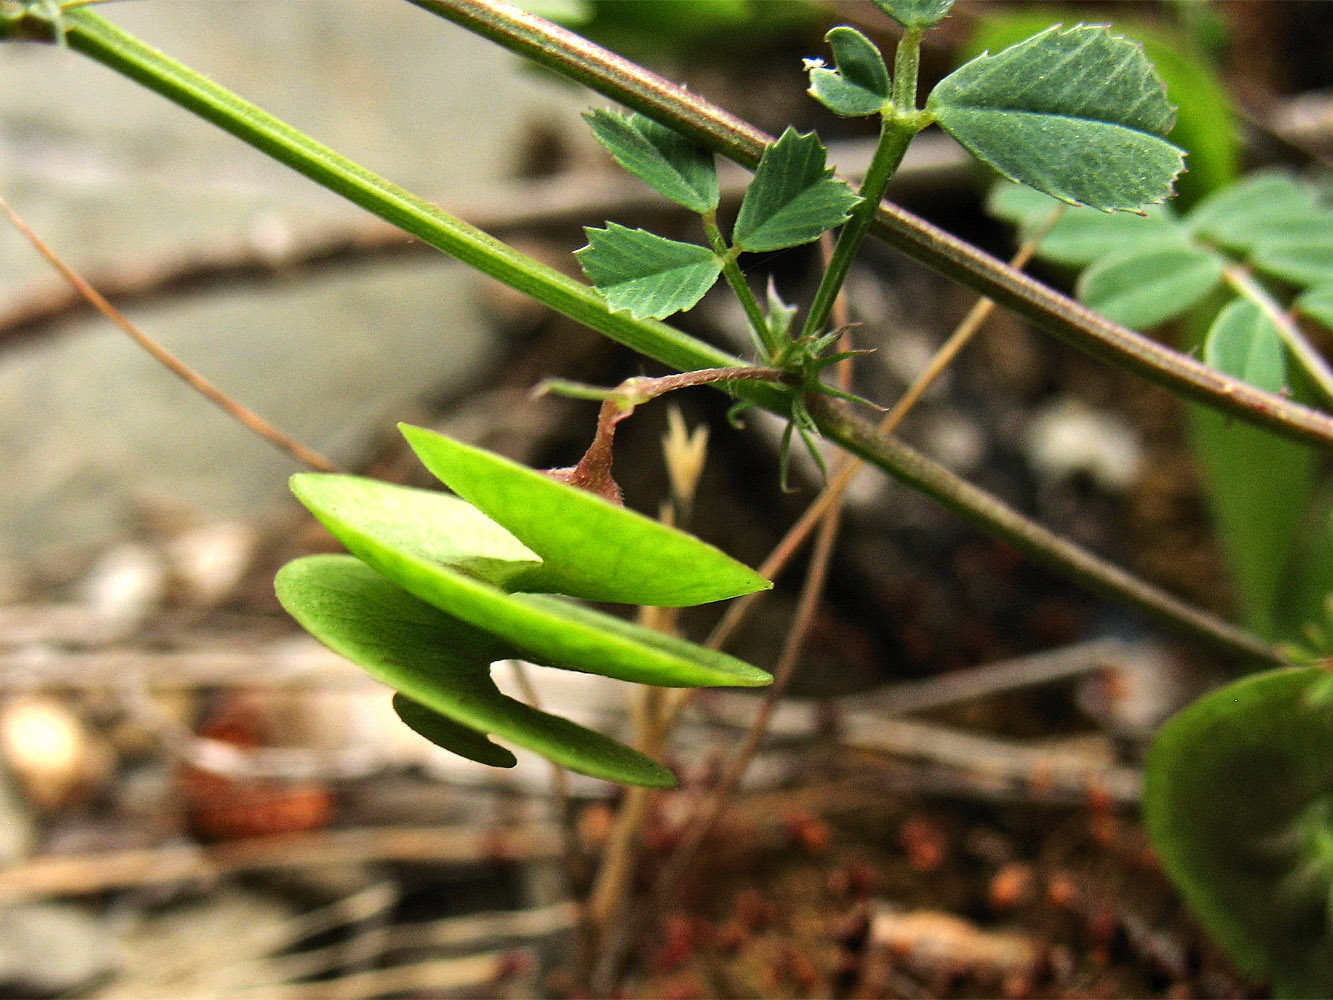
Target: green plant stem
898, 126
894, 138
731, 270
906, 61
92, 35
849, 429
1292, 336
578, 59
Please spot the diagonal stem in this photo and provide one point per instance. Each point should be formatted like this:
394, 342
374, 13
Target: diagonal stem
616, 77
1306, 354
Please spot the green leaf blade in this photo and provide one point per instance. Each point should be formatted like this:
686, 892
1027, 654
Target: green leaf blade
1317, 304
1301, 253
1244, 342
1236, 802
1082, 236
1240, 215
794, 197
916, 13
442, 665
1078, 114
1263, 484
1143, 289
860, 85
591, 549
646, 275
660, 157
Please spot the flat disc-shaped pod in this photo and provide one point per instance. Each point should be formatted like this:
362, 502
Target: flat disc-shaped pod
537, 627
452, 736
590, 548
1238, 801
433, 525
442, 666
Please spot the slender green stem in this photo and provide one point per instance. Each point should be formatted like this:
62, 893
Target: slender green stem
578, 59
906, 60
894, 137
90, 34
898, 127
731, 270
843, 425
1300, 347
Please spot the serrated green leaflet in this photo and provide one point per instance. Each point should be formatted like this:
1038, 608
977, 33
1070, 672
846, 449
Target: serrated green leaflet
1317, 304
443, 665
590, 548
1236, 799
860, 85
544, 630
794, 197
916, 13
659, 157
1144, 288
1082, 236
1301, 253
647, 275
1244, 342
1240, 215
1206, 125
452, 736
1077, 114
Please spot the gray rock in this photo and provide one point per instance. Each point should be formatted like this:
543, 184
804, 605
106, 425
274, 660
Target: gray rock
106, 170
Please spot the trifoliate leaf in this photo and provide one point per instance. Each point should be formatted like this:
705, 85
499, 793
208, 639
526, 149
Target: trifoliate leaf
1244, 342
1237, 801
660, 157
1317, 304
1144, 288
860, 85
1240, 215
1078, 114
794, 197
1082, 236
649, 276
442, 664
916, 13
590, 548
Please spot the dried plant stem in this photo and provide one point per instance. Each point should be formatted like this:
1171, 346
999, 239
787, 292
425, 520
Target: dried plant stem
569, 837
665, 712
701, 824
246, 417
